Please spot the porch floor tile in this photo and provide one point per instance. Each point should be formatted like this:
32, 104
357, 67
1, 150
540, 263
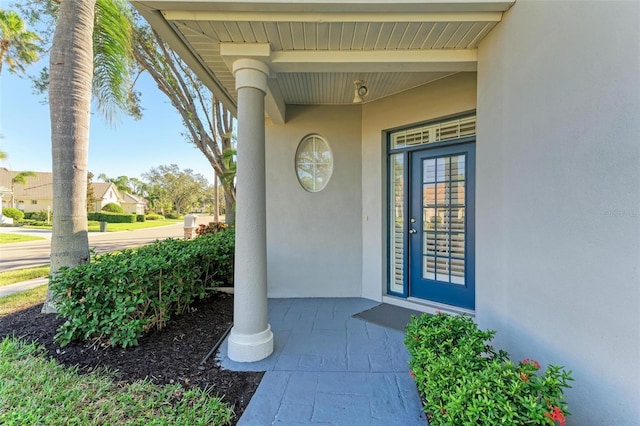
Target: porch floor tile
328, 368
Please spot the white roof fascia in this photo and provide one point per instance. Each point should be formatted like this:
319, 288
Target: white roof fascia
328, 17
357, 6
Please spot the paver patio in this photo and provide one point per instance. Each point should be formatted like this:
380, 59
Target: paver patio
330, 369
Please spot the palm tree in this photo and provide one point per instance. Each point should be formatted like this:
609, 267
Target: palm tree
20, 178
90, 52
18, 47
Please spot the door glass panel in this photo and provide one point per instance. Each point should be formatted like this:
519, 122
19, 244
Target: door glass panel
457, 271
429, 219
429, 173
457, 193
429, 194
396, 225
458, 167
442, 169
457, 245
442, 269
428, 268
442, 194
430, 243
443, 210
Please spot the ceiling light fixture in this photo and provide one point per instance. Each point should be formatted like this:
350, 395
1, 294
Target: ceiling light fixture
360, 91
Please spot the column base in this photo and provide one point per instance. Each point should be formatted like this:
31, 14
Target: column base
250, 347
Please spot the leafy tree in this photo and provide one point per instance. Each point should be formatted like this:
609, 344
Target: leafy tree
175, 189
208, 123
91, 195
20, 178
18, 46
121, 182
90, 53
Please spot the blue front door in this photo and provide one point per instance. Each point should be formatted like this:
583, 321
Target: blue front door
441, 225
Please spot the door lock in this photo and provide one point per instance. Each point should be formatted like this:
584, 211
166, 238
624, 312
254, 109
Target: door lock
413, 231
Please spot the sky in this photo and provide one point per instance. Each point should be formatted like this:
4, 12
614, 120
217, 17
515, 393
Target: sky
128, 148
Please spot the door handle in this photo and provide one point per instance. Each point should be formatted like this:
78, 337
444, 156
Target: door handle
413, 231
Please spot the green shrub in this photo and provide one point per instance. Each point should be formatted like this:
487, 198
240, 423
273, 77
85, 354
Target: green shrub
140, 218
211, 228
173, 216
15, 214
112, 217
464, 381
118, 297
40, 216
154, 216
113, 208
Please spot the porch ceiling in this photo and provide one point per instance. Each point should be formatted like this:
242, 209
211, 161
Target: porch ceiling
316, 49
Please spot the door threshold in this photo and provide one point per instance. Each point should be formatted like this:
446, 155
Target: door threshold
426, 306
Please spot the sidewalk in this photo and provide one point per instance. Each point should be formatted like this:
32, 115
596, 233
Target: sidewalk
22, 286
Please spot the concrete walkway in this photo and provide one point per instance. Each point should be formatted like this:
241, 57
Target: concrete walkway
330, 369
22, 286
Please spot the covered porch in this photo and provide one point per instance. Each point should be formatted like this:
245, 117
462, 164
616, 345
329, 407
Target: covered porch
274, 62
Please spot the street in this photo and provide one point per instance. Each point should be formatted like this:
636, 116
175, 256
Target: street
35, 253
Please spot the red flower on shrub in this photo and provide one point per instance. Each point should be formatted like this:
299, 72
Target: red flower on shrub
531, 361
556, 414
524, 377
412, 374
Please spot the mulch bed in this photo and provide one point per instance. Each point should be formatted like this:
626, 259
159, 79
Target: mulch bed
172, 355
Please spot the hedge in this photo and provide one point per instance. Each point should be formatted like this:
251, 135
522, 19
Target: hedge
140, 218
15, 214
118, 297
464, 381
112, 217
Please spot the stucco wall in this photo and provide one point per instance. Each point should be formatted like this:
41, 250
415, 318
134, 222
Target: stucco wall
558, 204
444, 97
26, 206
314, 240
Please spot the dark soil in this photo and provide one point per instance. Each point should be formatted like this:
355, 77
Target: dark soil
171, 355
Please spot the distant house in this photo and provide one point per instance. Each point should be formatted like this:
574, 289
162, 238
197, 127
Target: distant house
105, 193
133, 204
37, 193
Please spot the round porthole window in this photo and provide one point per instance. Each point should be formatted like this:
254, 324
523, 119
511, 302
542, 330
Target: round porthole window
314, 163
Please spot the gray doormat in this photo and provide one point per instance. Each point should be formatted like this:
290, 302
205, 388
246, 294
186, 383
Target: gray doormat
390, 316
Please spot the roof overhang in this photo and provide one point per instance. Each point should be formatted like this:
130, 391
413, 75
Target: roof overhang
316, 49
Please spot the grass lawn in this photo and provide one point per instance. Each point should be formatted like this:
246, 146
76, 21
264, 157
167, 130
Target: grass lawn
37, 390
18, 301
114, 227
19, 275
16, 238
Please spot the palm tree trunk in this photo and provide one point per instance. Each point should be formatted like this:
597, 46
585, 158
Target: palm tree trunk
70, 78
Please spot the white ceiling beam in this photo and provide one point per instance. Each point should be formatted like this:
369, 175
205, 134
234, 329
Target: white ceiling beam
274, 104
441, 60
328, 17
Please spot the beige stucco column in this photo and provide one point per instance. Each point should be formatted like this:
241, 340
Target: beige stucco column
251, 338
